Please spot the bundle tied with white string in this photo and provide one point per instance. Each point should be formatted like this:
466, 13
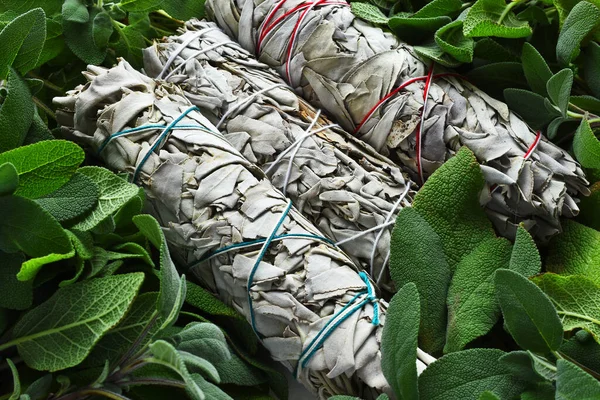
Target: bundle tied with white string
347, 189
238, 235
417, 114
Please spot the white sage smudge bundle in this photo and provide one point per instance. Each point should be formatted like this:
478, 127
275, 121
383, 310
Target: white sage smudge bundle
348, 190
236, 232
375, 86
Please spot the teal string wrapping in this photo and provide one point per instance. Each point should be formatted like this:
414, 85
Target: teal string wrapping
262, 253
159, 140
368, 295
337, 319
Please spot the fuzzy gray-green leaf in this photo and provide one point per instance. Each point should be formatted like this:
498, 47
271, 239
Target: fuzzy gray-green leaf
528, 313
84, 311
399, 343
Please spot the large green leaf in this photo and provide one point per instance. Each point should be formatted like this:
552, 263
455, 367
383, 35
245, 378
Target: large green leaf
30, 268
559, 89
184, 9
9, 179
86, 310
203, 340
581, 20
525, 258
574, 383
586, 146
165, 354
528, 313
80, 39
16, 113
120, 338
399, 343
369, 12
456, 186
451, 40
577, 301
26, 227
74, 199
536, 110
172, 287
472, 305
482, 20
583, 348
22, 6
465, 374
45, 166
115, 192
417, 256
22, 42
575, 252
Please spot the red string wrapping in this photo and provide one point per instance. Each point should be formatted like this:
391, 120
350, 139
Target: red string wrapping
267, 26
271, 22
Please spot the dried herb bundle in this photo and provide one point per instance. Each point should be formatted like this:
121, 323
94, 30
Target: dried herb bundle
208, 197
338, 182
347, 67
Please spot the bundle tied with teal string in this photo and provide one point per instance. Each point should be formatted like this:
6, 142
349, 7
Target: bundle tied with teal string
237, 234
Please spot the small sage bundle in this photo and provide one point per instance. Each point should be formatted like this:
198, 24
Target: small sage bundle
348, 190
236, 232
375, 86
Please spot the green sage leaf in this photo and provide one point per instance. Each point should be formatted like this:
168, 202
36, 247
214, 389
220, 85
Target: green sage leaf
525, 258
581, 20
535, 68
44, 167
528, 313
27, 227
586, 146
465, 374
574, 383
535, 109
369, 12
172, 287
16, 113
472, 305
22, 42
456, 185
559, 89
74, 199
399, 343
451, 40
483, 18
576, 301
115, 192
75, 11
80, 39
122, 337
84, 310
575, 252
417, 255
9, 179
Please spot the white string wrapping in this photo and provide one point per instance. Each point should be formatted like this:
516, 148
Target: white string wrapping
247, 101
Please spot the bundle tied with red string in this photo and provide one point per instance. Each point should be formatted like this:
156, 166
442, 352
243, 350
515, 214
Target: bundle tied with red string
239, 236
375, 86
343, 186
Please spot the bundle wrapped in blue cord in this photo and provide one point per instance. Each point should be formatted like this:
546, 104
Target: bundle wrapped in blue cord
239, 236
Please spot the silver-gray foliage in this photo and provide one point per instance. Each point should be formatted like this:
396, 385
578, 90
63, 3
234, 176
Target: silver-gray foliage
346, 65
207, 196
338, 182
